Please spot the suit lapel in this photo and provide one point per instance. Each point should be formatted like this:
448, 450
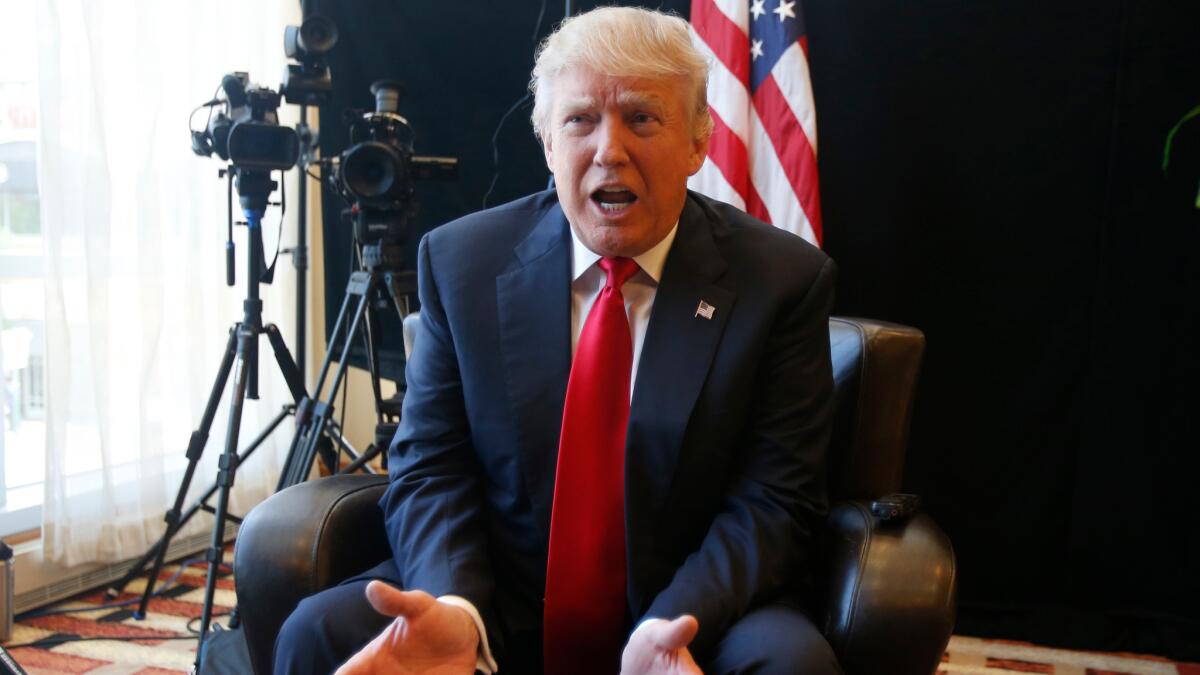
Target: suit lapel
676, 356
534, 305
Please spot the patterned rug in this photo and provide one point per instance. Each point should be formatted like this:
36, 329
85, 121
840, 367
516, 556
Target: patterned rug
161, 644
46, 643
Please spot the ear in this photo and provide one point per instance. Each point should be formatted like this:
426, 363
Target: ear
548, 151
699, 152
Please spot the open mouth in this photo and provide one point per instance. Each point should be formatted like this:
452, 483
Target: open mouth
614, 200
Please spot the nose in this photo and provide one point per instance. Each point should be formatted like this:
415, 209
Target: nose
610, 144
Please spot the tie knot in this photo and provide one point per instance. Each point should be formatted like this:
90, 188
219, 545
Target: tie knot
619, 270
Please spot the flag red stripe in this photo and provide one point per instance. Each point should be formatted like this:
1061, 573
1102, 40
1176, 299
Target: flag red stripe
728, 152
724, 37
792, 147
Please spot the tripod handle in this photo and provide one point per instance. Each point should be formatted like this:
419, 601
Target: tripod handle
229, 263
229, 254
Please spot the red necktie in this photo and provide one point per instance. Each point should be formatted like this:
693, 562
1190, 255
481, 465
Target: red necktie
585, 572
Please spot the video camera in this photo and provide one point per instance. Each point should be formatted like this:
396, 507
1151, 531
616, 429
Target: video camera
309, 82
375, 174
247, 132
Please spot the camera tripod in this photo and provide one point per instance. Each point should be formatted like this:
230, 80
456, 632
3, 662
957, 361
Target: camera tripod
240, 358
381, 276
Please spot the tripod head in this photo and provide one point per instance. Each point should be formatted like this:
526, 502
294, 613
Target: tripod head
254, 188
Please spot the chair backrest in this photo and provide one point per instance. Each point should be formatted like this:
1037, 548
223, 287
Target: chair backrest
875, 367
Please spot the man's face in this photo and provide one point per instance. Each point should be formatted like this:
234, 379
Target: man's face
621, 150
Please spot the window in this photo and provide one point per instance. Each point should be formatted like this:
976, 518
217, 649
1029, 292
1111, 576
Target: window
22, 434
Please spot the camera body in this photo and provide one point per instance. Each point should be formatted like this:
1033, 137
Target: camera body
376, 173
309, 82
247, 133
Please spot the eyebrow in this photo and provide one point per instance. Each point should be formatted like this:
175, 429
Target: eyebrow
639, 99
578, 103
625, 99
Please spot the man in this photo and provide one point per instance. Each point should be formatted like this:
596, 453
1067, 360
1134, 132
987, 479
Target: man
612, 447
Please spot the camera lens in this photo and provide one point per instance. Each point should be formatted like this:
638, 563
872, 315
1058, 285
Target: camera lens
370, 170
318, 35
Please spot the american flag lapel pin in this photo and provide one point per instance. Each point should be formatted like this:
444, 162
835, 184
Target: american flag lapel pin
705, 310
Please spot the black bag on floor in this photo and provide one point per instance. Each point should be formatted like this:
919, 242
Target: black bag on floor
225, 653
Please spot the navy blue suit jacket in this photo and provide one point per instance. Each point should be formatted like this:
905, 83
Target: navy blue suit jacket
729, 420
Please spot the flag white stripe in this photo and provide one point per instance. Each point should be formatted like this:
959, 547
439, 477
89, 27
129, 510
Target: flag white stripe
727, 96
771, 182
710, 181
791, 74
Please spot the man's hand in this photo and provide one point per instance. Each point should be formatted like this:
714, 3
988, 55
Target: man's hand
660, 648
427, 637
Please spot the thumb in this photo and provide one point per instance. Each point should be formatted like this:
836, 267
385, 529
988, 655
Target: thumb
675, 634
391, 601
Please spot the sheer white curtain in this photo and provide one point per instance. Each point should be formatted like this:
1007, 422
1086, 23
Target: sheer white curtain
137, 310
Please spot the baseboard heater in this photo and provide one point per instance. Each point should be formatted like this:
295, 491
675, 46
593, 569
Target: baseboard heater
103, 575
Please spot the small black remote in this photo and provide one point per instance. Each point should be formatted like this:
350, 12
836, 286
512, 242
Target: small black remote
896, 506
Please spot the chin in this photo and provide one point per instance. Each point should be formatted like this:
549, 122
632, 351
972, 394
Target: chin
612, 244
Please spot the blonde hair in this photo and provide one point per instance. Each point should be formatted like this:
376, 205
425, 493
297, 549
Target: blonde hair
624, 42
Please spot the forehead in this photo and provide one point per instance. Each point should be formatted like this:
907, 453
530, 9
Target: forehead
584, 87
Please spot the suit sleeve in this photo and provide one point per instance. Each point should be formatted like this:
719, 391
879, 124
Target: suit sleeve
434, 503
761, 542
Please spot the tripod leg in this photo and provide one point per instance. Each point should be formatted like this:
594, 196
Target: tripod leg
314, 424
370, 346
196, 443
225, 478
298, 462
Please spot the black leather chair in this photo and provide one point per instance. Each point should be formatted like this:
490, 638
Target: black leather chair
889, 588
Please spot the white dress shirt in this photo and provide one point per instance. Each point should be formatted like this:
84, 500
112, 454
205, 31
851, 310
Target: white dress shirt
639, 291
587, 280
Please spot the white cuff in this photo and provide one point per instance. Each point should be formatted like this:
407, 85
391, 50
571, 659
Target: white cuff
483, 660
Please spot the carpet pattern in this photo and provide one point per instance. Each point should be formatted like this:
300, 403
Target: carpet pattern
154, 645
158, 644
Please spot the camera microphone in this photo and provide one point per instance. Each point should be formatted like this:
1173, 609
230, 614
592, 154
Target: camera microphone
235, 90
387, 96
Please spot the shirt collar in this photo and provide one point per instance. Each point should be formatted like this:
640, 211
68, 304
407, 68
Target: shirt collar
651, 262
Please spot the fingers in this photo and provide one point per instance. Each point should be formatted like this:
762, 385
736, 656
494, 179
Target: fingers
391, 601
675, 634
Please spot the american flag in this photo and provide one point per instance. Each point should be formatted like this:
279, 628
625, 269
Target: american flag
763, 152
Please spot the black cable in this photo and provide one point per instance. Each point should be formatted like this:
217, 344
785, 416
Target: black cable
268, 275
537, 28
53, 641
210, 104
194, 619
496, 147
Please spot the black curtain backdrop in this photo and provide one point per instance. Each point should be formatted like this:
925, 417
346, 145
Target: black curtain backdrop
990, 173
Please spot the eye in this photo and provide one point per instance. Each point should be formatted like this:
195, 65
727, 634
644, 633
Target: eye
575, 121
642, 118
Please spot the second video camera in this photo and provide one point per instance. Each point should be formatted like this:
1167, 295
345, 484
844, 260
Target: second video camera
376, 173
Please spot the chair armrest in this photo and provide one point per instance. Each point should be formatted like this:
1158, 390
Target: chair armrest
891, 594
299, 541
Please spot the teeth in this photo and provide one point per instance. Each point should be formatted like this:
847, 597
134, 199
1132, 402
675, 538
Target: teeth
614, 207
